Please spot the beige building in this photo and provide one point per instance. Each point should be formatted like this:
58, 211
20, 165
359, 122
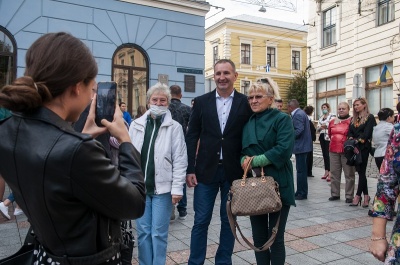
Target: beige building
256, 45
349, 44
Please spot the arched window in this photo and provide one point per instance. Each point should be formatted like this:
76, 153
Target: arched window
130, 70
8, 57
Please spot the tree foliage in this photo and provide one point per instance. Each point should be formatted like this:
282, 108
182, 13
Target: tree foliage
298, 89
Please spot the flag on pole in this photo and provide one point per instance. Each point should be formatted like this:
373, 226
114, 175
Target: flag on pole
384, 75
267, 68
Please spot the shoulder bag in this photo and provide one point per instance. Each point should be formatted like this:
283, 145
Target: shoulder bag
253, 196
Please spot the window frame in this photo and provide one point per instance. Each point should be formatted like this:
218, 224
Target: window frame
331, 27
246, 44
273, 64
294, 57
390, 8
215, 50
12, 54
242, 87
371, 86
339, 91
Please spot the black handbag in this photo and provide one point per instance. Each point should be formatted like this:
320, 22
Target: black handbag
24, 256
128, 243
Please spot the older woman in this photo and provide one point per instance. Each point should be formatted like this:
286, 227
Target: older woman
383, 207
269, 137
65, 184
381, 133
360, 129
322, 128
337, 131
162, 147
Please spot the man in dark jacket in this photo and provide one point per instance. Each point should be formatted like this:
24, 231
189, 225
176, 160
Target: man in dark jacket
302, 145
181, 113
217, 121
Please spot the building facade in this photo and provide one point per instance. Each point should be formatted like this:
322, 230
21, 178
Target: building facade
259, 47
135, 42
350, 43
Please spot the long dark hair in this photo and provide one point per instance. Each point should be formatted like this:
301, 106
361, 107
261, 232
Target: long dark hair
54, 62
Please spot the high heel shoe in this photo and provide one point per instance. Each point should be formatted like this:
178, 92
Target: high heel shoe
356, 201
366, 201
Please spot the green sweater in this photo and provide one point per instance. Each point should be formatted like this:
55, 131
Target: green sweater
147, 152
270, 133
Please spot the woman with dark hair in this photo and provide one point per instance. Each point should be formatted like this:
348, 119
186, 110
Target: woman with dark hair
62, 179
381, 133
140, 111
322, 128
360, 129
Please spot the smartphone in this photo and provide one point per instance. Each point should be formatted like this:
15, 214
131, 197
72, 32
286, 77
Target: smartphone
105, 102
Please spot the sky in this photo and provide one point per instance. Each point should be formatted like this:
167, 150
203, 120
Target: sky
234, 8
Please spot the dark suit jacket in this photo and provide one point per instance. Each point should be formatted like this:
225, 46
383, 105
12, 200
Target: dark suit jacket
301, 124
204, 126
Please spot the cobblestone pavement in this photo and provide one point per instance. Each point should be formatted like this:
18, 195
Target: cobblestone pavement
318, 231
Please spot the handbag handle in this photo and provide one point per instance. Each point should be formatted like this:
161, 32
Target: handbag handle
233, 224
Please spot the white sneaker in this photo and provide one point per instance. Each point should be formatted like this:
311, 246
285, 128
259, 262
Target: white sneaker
18, 211
4, 211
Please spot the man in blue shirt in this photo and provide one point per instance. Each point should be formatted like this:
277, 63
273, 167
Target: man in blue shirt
127, 116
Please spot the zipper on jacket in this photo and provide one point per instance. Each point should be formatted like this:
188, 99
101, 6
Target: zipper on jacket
148, 155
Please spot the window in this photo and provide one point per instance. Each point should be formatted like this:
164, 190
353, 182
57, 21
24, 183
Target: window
245, 53
378, 96
385, 11
215, 54
244, 86
271, 56
331, 90
296, 60
130, 69
329, 27
7, 57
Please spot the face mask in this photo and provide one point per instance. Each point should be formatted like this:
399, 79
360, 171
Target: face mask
325, 111
158, 110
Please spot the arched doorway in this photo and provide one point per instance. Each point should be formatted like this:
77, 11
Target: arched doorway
8, 57
130, 70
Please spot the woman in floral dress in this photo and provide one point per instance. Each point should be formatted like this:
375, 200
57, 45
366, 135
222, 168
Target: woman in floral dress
384, 204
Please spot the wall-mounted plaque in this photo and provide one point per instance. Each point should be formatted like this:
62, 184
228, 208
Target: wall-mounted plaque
163, 79
190, 83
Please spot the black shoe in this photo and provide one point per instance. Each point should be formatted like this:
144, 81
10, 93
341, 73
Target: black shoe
311, 176
335, 198
182, 215
298, 197
349, 200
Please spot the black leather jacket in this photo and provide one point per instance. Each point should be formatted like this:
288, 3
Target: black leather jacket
72, 195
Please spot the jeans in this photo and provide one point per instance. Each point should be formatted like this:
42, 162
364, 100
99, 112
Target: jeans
152, 229
261, 226
301, 168
203, 204
182, 204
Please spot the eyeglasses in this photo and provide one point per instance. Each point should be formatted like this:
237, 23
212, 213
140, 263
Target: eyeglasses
257, 97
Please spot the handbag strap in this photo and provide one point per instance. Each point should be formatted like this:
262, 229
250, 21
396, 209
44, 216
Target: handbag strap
233, 224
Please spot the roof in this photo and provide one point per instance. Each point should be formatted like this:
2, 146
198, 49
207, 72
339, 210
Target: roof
270, 22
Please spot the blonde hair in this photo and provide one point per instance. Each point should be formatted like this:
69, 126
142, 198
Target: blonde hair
269, 87
366, 110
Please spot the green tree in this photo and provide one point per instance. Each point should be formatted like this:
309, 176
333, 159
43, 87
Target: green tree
298, 89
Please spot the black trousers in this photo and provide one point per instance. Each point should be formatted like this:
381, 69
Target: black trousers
261, 226
362, 170
325, 151
310, 156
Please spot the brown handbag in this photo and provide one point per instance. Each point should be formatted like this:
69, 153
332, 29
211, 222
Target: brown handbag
253, 196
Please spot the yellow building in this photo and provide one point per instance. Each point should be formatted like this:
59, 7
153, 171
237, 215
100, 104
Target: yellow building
259, 47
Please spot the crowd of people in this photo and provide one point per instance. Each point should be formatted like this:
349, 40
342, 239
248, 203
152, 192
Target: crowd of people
138, 169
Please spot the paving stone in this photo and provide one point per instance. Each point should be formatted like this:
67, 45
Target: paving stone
321, 240
345, 261
345, 250
301, 259
301, 245
322, 254
365, 258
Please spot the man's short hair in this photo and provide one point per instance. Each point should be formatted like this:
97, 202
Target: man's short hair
226, 61
121, 103
175, 90
294, 103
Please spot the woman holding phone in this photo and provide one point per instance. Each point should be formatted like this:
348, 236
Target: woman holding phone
62, 179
